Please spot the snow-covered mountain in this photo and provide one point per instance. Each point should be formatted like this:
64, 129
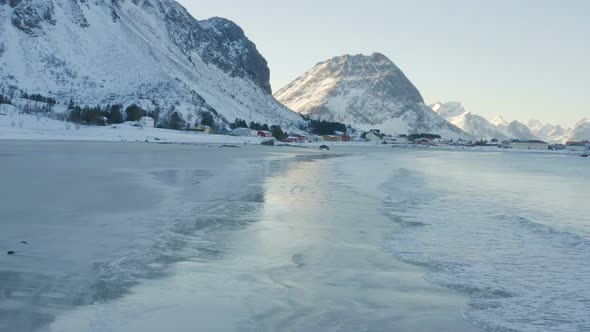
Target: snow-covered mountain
476, 126
151, 52
581, 132
499, 121
518, 130
365, 92
449, 109
548, 132
513, 129
480, 128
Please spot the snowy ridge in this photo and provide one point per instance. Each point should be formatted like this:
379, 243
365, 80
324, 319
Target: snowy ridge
364, 92
499, 121
149, 51
480, 128
474, 125
549, 132
518, 130
581, 132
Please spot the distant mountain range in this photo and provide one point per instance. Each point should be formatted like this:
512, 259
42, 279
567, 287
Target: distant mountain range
149, 52
476, 126
480, 128
364, 91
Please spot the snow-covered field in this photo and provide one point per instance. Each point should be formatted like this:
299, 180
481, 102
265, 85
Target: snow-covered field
21, 126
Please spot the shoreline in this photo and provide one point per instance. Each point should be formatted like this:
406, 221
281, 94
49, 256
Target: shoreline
165, 136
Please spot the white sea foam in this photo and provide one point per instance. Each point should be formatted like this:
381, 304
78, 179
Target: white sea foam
524, 264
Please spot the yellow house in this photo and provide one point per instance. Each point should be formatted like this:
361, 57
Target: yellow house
332, 138
204, 129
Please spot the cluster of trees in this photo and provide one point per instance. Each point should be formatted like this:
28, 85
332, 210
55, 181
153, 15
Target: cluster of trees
276, 130
175, 121
481, 142
134, 112
413, 137
4, 99
278, 133
171, 121
39, 98
98, 116
259, 126
207, 119
110, 114
29, 108
325, 127
238, 123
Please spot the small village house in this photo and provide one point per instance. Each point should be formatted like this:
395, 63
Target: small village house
374, 135
578, 146
146, 121
204, 129
295, 138
525, 144
301, 138
244, 132
292, 139
388, 139
332, 138
424, 141
264, 133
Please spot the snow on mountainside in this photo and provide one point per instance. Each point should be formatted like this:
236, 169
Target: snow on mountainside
513, 129
548, 132
449, 109
499, 122
480, 128
581, 132
534, 124
518, 130
474, 125
365, 92
151, 52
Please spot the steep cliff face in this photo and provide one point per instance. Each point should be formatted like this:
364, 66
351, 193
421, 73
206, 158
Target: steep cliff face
365, 92
123, 51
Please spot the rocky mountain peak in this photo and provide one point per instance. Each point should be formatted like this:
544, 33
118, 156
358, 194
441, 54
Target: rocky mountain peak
365, 91
499, 121
375, 71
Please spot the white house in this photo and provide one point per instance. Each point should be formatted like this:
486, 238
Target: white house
146, 121
525, 144
244, 132
374, 135
395, 140
578, 146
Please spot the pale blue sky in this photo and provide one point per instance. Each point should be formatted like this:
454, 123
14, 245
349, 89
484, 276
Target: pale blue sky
521, 59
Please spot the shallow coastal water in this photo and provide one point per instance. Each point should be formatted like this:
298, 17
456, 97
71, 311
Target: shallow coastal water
297, 251
510, 230
288, 239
